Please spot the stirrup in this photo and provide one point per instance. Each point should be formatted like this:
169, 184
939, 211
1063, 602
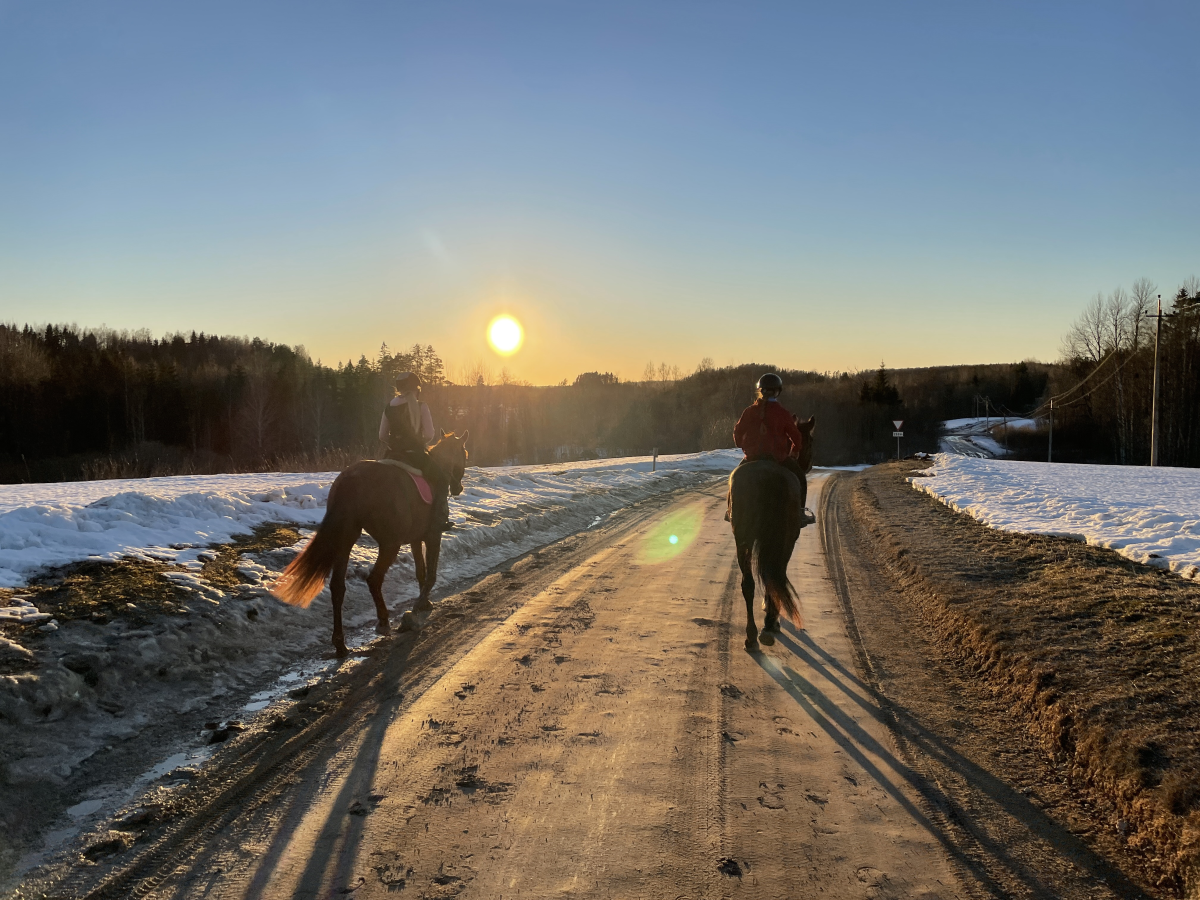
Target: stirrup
808, 517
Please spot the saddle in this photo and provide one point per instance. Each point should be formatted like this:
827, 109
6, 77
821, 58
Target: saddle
414, 473
796, 488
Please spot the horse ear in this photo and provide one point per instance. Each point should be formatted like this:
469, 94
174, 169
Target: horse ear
444, 432
812, 422
464, 437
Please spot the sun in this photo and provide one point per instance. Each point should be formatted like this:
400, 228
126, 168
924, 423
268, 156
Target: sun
505, 335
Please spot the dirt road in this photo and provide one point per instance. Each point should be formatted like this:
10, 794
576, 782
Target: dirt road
609, 738
586, 723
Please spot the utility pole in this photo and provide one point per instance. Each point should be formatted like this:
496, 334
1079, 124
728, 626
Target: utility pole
1154, 402
1050, 451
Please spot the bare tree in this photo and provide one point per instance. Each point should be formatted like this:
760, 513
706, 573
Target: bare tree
1085, 338
1117, 320
22, 359
258, 412
1143, 292
477, 374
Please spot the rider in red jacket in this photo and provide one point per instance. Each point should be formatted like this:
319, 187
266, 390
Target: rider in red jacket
766, 430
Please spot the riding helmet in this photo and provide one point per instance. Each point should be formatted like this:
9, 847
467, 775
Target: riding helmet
770, 382
407, 381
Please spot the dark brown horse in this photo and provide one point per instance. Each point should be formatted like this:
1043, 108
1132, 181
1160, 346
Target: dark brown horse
381, 500
767, 511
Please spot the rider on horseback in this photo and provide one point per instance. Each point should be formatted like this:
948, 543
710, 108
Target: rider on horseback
407, 430
766, 430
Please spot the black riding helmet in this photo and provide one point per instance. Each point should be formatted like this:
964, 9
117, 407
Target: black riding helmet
770, 383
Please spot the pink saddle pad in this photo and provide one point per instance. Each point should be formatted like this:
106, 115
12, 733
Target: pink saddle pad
423, 487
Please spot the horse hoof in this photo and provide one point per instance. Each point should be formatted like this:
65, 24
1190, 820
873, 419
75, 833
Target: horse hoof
408, 622
767, 638
341, 651
383, 628
772, 628
751, 646
423, 605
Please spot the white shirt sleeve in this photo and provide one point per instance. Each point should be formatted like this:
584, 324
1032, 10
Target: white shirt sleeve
426, 424
385, 430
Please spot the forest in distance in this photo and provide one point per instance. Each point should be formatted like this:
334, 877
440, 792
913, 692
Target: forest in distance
79, 403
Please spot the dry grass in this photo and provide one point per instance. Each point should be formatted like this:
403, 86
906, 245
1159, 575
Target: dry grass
1103, 655
221, 570
133, 590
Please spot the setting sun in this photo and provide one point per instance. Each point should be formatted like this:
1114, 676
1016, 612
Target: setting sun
505, 335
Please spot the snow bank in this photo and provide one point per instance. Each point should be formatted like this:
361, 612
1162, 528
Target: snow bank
1149, 515
175, 519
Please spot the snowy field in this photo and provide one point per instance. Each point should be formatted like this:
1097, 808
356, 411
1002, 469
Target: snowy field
176, 519
1149, 515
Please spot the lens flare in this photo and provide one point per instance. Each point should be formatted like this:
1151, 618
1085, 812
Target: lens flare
505, 335
672, 535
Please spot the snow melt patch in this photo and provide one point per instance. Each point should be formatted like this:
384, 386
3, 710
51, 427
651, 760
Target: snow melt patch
1151, 516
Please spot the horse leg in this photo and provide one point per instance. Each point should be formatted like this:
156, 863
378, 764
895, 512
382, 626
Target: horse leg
744, 563
771, 614
422, 604
771, 624
387, 555
433, 550
337, 591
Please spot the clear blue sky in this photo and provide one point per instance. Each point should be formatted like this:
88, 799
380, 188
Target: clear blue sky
820, 185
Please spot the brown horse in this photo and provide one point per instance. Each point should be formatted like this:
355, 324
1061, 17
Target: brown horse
767, 512
381, 500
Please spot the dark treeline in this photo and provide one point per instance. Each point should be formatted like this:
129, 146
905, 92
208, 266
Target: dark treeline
100, 403
87, 403
1107, 419
82, 403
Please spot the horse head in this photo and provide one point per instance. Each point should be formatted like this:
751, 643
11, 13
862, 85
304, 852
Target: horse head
806, 451
451, 453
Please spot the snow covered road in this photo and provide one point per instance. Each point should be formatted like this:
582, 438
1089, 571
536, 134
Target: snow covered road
1151, 516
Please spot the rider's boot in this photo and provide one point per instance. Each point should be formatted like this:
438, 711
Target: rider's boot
439, 517
806, 515
440, 514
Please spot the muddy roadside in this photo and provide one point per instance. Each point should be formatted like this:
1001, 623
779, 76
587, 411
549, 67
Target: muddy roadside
1062, 678
129, 662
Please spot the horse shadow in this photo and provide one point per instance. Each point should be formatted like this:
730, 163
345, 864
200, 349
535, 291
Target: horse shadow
331, 865
936, 811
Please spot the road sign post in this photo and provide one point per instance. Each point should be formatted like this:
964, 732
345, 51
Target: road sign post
897, 434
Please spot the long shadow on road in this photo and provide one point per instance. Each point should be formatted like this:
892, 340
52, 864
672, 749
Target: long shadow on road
874, 758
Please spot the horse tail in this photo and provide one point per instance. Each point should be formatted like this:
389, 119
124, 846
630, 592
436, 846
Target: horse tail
770, 563
771, 548
305, 576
